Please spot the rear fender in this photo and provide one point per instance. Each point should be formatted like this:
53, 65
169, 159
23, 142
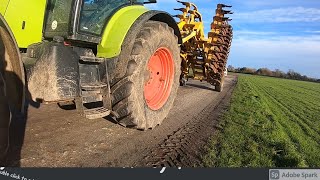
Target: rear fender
121, 24
119, 55
116, 30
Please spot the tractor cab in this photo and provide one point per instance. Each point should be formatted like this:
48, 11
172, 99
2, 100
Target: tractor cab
82, 20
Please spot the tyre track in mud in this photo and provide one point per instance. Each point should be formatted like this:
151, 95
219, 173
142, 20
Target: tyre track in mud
184, 147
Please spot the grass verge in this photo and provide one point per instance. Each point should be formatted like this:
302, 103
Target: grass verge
271, 123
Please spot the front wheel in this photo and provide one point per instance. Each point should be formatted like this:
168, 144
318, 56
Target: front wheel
144, 97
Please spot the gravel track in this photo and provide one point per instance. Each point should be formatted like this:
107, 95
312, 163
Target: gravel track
53, 137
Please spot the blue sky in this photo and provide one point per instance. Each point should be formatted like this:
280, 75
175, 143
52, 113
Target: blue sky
282, 34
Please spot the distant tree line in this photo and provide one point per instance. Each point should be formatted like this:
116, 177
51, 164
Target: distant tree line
291, 74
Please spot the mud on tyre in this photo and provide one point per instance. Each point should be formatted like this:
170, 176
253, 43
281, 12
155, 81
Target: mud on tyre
144, 97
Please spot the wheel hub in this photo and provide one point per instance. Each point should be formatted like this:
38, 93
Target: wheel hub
159, 82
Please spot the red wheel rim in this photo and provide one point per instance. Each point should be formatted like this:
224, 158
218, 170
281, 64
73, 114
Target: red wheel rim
159, 78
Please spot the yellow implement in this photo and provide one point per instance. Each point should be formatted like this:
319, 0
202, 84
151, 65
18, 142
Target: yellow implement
205, 57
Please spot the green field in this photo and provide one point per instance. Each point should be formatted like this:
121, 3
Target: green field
271, 123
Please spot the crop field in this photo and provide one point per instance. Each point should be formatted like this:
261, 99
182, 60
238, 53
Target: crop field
271, 123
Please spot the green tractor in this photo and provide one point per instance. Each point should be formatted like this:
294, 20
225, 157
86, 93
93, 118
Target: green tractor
108, 57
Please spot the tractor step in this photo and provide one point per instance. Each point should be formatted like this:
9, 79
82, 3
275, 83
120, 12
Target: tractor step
93, 86
91, 59
96, 113
92, 92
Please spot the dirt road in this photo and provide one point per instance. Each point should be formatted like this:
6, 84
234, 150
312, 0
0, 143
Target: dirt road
54, 137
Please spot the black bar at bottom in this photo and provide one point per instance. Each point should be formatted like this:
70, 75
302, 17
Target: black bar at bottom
136, 173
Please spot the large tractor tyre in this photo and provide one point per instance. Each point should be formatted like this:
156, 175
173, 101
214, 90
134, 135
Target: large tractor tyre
144, 97
12, 79
13, 69
5, 119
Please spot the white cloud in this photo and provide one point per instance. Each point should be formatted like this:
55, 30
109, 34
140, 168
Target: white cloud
280, 15
312, 32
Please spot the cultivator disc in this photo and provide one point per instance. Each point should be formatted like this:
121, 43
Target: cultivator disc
204, 58
218, 47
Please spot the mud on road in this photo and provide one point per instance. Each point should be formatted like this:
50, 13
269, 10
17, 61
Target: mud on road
54, 137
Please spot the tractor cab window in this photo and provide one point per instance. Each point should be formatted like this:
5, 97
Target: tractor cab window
94, 14
59, 13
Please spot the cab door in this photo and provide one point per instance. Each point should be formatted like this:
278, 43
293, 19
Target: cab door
25, 18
